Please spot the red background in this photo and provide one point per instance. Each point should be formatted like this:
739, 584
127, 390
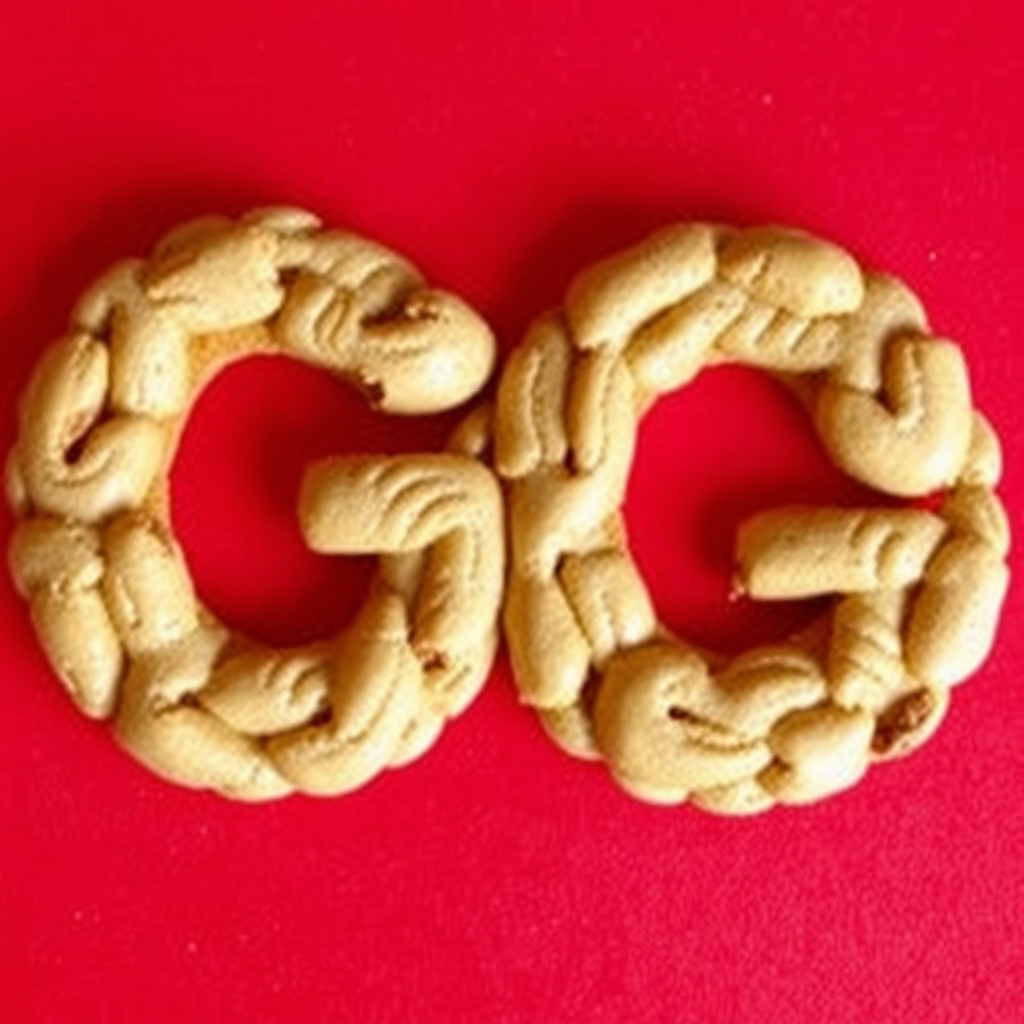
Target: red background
502, 145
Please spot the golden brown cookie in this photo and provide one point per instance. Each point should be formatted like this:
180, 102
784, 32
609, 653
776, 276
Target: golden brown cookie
95, 554
916, 594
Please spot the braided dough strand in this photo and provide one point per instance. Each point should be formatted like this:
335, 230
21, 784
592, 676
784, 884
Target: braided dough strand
916, 594
108, 586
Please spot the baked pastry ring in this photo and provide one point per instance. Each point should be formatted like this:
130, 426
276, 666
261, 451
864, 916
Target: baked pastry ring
95, 553
917, 593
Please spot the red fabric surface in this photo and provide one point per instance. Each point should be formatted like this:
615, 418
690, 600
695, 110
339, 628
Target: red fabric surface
501, 146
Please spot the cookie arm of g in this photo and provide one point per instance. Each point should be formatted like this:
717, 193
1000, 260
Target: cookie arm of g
446, 503
794, 553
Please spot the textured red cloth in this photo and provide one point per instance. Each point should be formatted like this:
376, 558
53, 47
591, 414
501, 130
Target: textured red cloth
501, 146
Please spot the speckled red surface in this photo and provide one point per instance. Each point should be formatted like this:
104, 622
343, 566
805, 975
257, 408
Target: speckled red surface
501, 146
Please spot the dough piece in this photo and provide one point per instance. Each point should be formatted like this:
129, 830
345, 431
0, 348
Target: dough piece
917, 594
94, 551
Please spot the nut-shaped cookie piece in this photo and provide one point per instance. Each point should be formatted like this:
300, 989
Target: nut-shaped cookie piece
95, 554
915, 592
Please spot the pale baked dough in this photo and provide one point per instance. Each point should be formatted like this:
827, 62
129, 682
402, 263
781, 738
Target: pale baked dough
109, 590
917, 593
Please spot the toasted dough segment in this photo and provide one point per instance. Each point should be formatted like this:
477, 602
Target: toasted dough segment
915, 594
95, 555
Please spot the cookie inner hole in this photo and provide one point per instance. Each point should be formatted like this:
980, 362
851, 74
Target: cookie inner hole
234, 486
730, 444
